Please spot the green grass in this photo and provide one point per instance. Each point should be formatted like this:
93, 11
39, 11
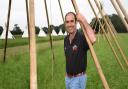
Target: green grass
18, 41
14, 74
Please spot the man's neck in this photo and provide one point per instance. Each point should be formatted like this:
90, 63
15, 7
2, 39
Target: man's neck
71, 36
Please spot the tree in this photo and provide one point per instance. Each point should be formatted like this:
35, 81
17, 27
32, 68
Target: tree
37, 29
62, 27
1, 30
45, 30
118, 24
56, 28
17, 30
116, 21
95, 24
126, 20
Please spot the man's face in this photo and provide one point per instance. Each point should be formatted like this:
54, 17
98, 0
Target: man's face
70, 23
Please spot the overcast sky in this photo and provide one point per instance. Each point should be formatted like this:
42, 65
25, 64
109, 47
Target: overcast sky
18, 11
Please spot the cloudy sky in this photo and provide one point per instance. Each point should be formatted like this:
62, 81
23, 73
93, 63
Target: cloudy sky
18, 11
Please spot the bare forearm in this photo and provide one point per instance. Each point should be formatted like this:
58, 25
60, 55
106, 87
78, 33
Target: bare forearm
87, 28
89, 31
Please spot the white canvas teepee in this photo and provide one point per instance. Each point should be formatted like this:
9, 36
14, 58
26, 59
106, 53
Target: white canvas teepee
3, 35
53, 33
42, 33
60, 32
65, 33
25, 33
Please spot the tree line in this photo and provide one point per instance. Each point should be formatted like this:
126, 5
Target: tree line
115, 19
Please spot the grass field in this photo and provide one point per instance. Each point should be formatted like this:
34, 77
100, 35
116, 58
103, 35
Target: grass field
14, 74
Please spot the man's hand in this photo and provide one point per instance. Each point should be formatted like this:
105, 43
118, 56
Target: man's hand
80, 18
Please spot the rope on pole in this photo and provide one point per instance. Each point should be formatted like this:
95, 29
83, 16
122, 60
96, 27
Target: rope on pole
105, 84
33, 64
7, 27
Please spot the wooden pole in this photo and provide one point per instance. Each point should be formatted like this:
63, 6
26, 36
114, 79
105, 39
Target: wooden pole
33, 67
119, 13
6, 27
107, 37
112, 27
49, 31
51, 44
114, 38
122, 9
27, 12
61, 10
105, 84
108, 20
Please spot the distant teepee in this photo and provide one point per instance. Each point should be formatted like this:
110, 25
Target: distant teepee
25, 33
41, 33
65, 33
60, 32
3, 35
53, 33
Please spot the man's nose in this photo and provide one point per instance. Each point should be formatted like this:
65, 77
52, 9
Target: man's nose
69, 23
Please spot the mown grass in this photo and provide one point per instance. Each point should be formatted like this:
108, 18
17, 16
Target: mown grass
14, 74
117, 79
19, 41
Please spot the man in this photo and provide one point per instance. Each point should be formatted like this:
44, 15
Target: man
75, 47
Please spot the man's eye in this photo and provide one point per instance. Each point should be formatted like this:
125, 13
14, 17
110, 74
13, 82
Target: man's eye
67, 21
72, 20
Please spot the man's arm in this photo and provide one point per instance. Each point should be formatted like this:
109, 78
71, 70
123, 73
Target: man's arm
87, 28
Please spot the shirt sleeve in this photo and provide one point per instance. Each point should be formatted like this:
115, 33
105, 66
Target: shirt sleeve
85, 44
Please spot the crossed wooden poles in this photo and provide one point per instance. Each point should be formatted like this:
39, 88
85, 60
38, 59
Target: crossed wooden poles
32, 44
